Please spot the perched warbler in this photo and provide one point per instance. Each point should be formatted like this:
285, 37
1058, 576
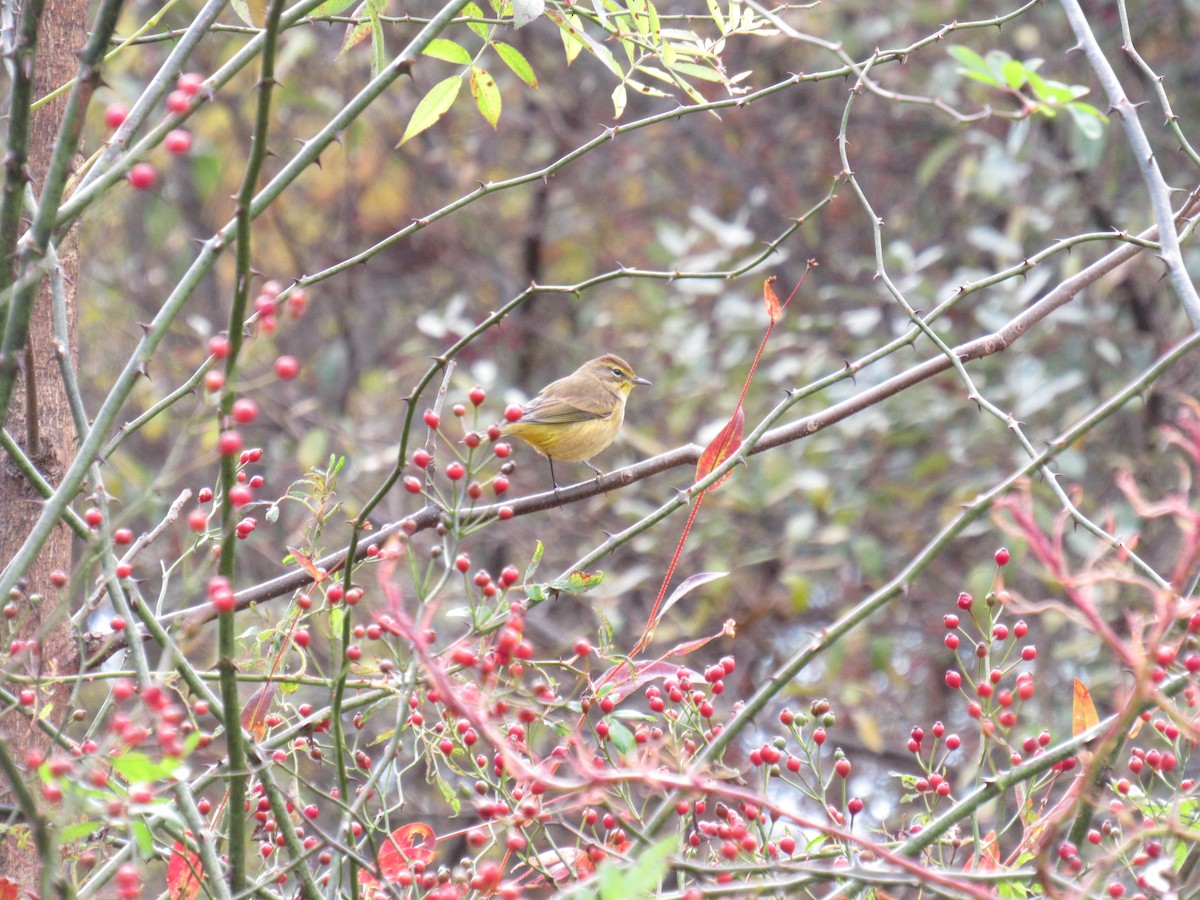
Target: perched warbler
578, 416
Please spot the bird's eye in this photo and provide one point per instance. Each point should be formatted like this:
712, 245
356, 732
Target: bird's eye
618, 372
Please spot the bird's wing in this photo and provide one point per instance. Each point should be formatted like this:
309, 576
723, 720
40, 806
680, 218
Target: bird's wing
542, 410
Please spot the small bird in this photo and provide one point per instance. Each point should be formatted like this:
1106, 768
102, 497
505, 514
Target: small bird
578, 416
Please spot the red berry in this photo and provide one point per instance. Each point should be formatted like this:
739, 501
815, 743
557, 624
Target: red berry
431, 419
459, 410
93, 517
122, 536
1002, 556
178, 101
953, 679
240, 495
842, 767
142, 176
513, 412
287, 368
477, 395
499, 484
115, 114
455, 471
218, 346
412, 484
505, 513
297, 302
124, 570
189, 83
421, 458
178, 141
229, 443
964, 600
311, 811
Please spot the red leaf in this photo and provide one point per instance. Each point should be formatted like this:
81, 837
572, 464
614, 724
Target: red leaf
729, 629
9, 889
774, 310
643, 673
407, 844
722, 445
306, 563
184, 875
254, 713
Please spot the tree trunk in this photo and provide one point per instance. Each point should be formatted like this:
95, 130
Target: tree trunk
45, 430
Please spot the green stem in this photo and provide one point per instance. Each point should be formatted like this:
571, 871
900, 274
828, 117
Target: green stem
227, 649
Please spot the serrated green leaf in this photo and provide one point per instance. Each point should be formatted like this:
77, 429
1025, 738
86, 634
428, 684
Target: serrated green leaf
432, 107
448, 51
519, 65
472, 11
486, 94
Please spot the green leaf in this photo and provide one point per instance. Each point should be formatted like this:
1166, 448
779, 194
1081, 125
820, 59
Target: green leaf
642, 878
330, 8
252, 12
526, 11
440, 48
619, 97
577, 582
77, 830
621, 738
472, 11
1088, 125
715, 11
569, 29
134, 766
141, 834
531, 569
520, 66
432, 107
356, 34
1014, 73
378, 52
486, 94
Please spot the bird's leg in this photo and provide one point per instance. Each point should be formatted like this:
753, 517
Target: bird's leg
553, 480
588, 463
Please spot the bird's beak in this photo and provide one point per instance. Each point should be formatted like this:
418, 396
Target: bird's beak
637, 379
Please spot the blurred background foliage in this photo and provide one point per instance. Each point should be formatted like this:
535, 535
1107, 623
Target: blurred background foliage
805, 530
